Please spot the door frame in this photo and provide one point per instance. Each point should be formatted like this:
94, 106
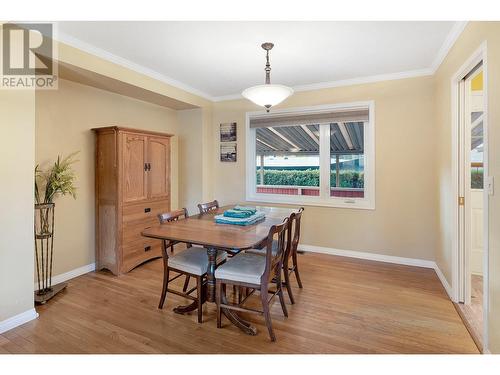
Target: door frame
459, 273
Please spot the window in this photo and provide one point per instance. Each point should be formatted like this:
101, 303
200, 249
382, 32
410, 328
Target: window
317, 156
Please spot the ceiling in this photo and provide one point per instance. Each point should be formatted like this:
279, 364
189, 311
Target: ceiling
219, 59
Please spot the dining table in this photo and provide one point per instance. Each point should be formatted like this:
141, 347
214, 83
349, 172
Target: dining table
201, 229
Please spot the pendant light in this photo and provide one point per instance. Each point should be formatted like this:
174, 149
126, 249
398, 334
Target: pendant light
267, 95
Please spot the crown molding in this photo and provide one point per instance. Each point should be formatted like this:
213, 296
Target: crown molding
344, 82
450, 40
448, 43
77, 43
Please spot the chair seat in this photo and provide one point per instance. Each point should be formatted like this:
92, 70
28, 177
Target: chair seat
194, 260
244, 267
264, 249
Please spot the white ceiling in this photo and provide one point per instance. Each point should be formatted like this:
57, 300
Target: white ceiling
220, 59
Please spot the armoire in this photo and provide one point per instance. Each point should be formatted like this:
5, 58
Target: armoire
132, 186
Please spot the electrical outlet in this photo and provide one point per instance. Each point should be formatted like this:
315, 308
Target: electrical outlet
490, 185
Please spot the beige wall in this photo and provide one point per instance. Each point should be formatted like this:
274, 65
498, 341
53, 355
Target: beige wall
17, 148
64, 118
404, 222
470, 40
190, 151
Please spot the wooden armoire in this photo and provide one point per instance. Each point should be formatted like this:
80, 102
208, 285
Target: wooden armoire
132, 186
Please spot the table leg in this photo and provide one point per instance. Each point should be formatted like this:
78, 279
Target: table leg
212, 256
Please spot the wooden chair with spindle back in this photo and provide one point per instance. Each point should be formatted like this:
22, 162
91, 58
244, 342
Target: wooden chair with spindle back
255, 272
209, 206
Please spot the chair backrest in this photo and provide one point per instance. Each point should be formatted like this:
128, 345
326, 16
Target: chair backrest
294, 233
277, 234
173, 216
209, 206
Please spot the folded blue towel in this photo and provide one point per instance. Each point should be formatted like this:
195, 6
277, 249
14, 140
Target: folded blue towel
221, 219
237, 214
245, 208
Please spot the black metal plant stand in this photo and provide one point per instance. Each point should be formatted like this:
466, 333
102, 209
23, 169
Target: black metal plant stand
44, 252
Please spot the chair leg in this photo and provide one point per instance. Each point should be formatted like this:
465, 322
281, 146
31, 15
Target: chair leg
282, 298
287, 283
267, 314
165, 287
186, 283
199, 298
296, 268
172, 248
218, 299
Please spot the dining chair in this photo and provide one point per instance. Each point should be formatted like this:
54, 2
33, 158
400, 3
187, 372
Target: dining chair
168, 217
290, 253
209, 206
192, 262
255, 272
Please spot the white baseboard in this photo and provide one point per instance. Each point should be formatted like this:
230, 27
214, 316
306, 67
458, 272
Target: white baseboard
17, 320
369, 256
70, 274
382, 258
443, 280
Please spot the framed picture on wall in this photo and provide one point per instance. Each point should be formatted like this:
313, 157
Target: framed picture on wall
228, 132
228, 152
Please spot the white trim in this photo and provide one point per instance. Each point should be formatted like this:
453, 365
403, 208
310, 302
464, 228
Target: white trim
344, 82
368, 256
445, 282
70, 274
448, 43
367, 203
468, 65
450, 40
17, 320
77, 43
381, 258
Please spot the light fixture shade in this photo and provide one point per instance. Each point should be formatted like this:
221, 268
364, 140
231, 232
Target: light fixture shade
267, 95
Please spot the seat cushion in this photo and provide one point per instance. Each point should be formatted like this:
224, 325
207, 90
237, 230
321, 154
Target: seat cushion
244, 267
263, 250
194, 260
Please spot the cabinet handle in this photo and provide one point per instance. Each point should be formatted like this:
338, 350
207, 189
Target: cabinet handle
147, 209
147, 248
145, 167
149, 166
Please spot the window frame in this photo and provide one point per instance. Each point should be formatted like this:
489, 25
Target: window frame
324, 199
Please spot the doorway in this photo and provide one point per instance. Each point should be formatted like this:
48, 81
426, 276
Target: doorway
472, 188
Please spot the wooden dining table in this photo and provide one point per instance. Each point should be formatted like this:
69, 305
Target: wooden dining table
202, 230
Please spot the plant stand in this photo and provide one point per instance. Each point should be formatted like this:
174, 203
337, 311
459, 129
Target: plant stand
44, 252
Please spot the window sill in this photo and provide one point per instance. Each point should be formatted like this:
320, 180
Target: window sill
351, 203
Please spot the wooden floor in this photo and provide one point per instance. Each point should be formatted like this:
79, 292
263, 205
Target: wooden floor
346, 306
472, 313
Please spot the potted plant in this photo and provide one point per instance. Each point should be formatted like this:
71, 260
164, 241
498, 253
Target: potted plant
59, 180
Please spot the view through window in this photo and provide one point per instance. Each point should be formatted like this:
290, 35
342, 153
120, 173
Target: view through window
288, 160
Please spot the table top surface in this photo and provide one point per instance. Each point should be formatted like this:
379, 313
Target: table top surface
202, 230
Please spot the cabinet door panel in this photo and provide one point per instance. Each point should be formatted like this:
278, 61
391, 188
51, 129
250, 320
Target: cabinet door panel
134, 177
159, 173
